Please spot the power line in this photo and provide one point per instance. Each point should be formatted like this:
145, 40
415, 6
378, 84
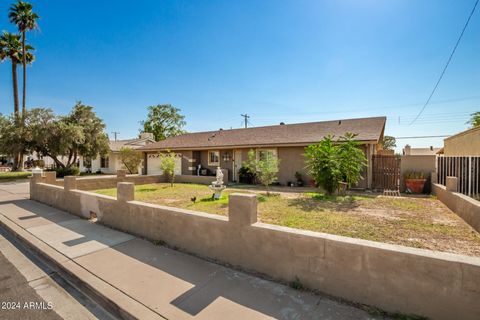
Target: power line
115, 133
446, 65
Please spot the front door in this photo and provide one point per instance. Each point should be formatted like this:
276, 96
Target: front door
237, 163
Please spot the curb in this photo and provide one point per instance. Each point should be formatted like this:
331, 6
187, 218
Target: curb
103, 293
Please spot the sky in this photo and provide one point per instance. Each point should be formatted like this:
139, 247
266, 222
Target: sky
275, 60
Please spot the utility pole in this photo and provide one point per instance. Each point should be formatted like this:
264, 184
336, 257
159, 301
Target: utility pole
115, 133
246, 116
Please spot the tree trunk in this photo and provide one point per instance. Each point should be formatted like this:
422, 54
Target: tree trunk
15, 90
17, 161
24, 105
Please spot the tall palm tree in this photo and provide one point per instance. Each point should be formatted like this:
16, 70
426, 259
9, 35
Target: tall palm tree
22, 15
12, 49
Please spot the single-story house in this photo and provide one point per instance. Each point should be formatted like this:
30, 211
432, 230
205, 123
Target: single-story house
111, 163
228, 149
465, 143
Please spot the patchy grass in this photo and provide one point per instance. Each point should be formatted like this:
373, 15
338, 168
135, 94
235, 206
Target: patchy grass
8, 176
415, 222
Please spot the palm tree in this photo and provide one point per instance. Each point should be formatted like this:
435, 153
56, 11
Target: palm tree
11, 48
22, 15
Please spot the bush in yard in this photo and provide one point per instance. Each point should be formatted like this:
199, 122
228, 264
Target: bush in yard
245, 175
330, 162
352, 159
265, 167
323, 163
67, 171
131, 159
167, 164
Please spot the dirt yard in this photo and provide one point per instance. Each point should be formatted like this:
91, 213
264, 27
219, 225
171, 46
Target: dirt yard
409, 221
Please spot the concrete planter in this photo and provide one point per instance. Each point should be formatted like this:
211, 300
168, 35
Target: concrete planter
415, 185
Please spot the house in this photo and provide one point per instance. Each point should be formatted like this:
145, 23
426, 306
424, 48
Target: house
409, 151
229, 148
465, 143
111, 162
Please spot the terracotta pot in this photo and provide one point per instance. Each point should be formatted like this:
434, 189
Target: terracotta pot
415, 185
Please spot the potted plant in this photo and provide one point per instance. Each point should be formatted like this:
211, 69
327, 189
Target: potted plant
298, 177
415, 181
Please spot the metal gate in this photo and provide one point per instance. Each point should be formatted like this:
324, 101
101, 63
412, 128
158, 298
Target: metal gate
385, 172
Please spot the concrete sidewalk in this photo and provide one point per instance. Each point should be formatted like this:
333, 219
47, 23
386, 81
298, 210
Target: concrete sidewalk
158, 281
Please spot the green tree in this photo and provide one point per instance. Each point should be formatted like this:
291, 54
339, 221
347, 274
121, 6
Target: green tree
80, 133
389, 143
265, 167
323, 163
474, 119
21, 14
131, 159
12, 138
352, 159
167, 165
164, 121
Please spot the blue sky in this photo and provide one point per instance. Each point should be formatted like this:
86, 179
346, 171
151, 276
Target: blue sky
290, 61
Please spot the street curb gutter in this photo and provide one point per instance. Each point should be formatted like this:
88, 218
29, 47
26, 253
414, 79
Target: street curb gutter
109, 297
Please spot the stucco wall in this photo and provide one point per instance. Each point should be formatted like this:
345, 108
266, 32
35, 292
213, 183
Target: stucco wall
424, 164
291, 161
467, 208
391, 277
466, 143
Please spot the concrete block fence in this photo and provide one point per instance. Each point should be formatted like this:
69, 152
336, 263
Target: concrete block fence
393, 278
467, 208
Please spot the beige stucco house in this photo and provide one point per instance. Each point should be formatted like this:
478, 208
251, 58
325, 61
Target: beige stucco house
228, 149
110, 163
465, 143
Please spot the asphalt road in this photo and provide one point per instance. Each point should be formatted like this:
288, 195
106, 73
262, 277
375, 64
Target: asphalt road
18, 300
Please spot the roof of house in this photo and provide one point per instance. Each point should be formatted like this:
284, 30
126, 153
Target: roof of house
368, 130
116, 145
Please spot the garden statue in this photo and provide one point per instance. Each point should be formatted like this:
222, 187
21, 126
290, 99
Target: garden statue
217, 185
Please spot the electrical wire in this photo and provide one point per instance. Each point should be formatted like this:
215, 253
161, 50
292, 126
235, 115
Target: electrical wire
446, 65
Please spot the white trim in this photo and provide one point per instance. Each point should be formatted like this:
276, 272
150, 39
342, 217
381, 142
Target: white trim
208, 158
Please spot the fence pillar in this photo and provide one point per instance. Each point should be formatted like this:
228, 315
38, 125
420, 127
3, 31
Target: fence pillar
452, 184
125, 191
69, 183
434, 177
242, 209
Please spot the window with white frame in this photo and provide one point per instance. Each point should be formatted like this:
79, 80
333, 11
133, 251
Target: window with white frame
213, 158
262, 154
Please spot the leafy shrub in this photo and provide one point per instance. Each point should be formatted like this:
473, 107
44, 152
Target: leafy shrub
67, 171
331, 162
265, 167
245, 175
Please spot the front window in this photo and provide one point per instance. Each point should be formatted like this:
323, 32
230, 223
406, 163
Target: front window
213, 158
104, 162
263, 154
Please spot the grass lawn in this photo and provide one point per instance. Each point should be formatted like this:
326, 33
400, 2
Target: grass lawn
7, 176
415, 222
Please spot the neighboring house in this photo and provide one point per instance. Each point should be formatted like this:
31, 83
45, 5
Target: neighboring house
409, 151
228, 148
111, 162
465, 143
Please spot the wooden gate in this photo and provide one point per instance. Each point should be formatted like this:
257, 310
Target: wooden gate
385, 172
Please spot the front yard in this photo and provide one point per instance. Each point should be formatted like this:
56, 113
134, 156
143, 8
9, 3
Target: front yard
415, 222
